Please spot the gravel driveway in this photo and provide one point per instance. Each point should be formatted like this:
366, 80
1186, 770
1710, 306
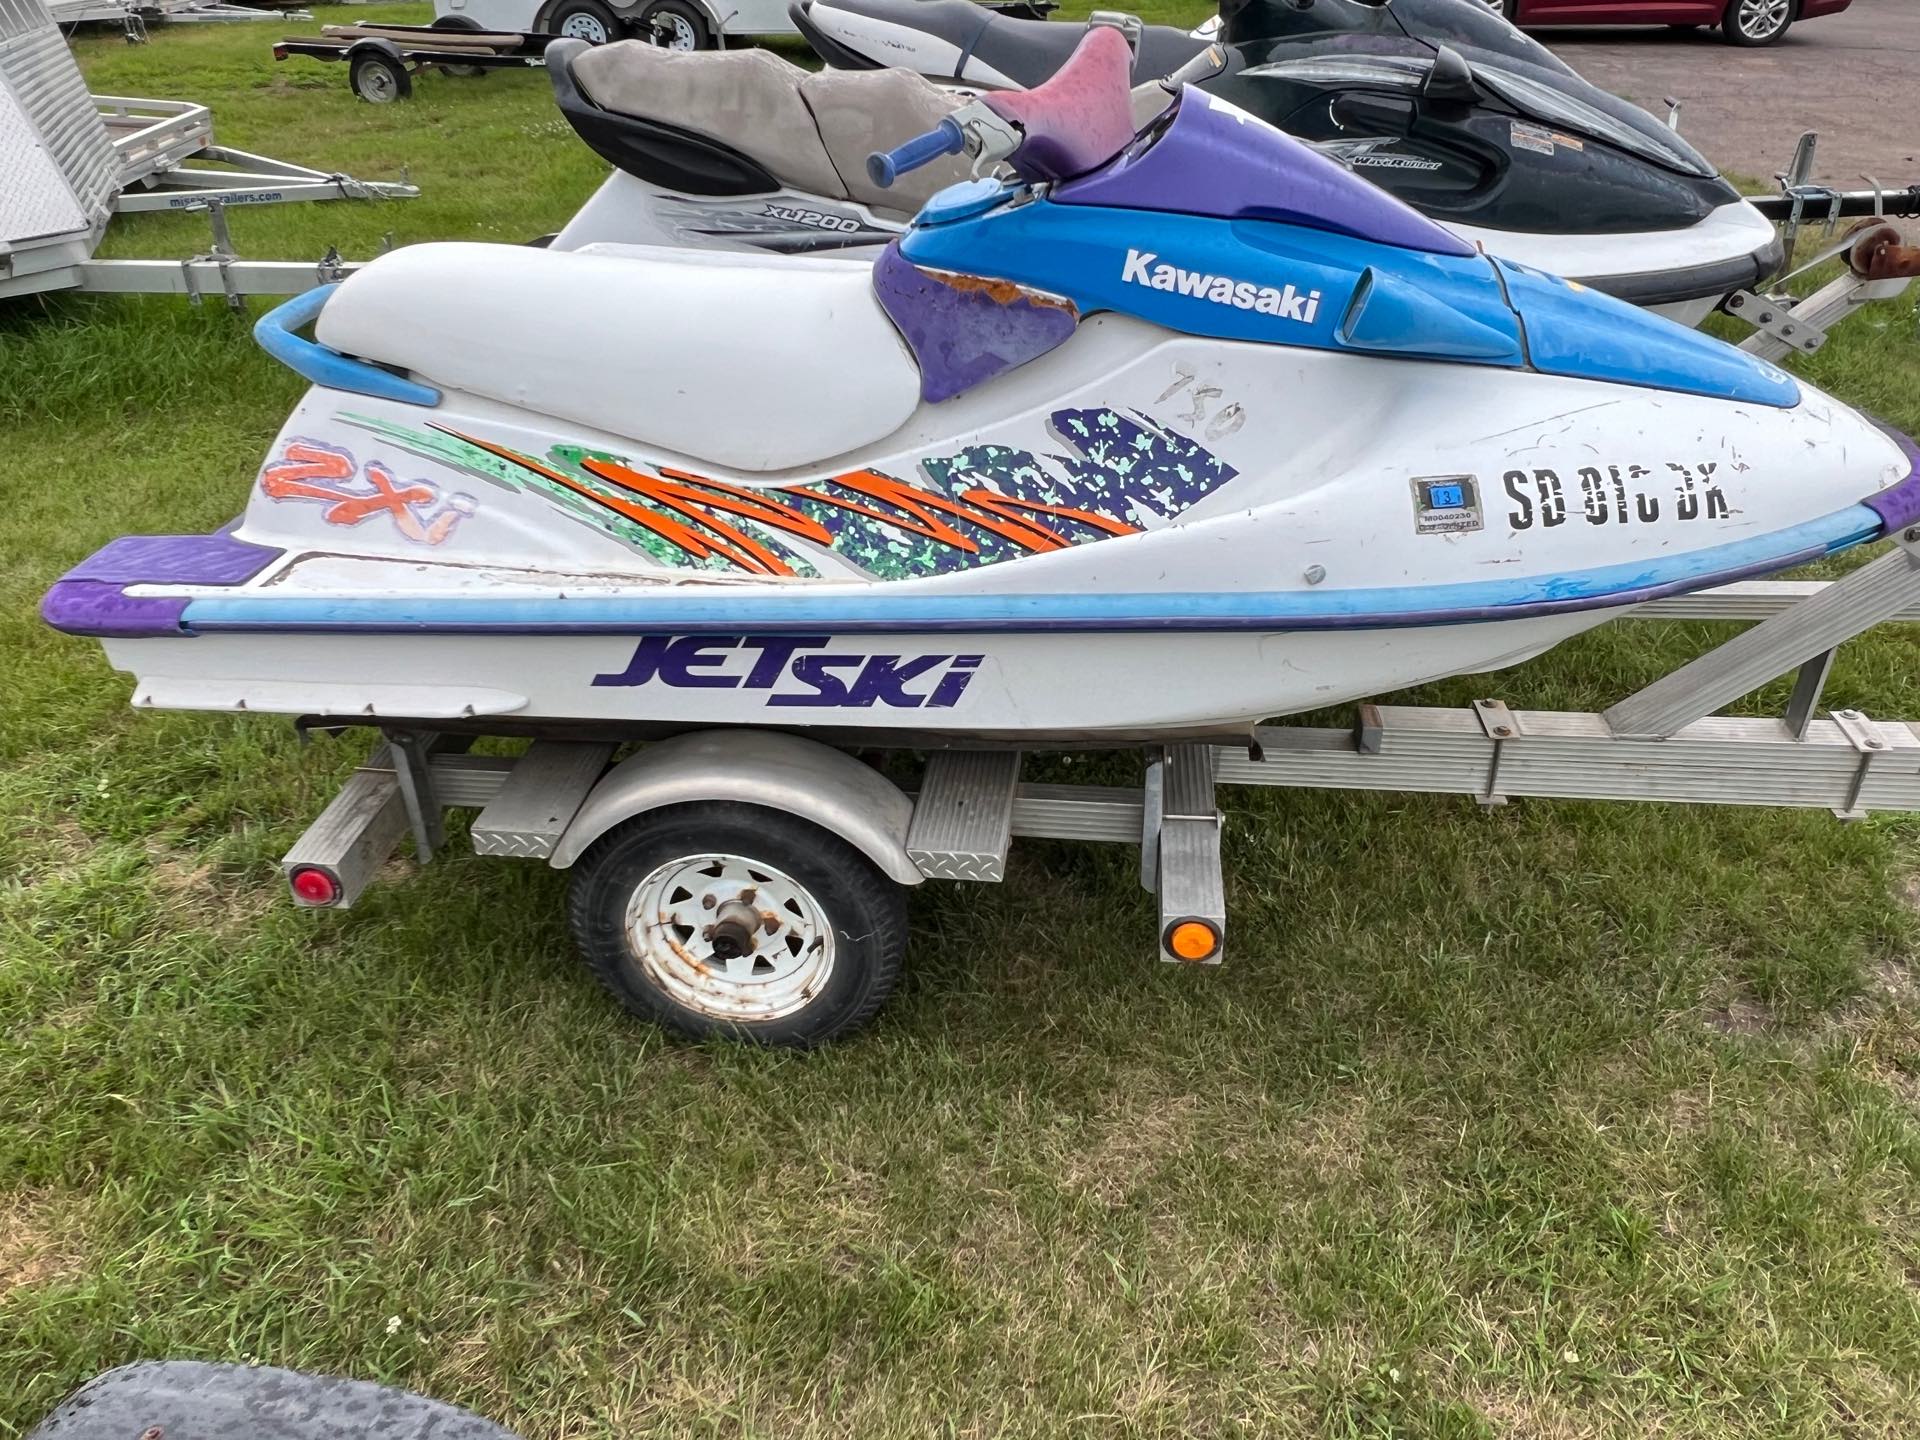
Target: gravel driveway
1854, 77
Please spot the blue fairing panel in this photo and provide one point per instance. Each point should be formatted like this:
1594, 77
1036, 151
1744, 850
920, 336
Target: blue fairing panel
1233, 279
1280, 284
1572, 330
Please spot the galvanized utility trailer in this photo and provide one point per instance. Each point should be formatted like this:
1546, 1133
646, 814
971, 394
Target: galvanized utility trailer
382, 60
71, 161
752, 882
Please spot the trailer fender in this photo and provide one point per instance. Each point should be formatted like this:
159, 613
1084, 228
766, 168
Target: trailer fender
754, 767
380, 43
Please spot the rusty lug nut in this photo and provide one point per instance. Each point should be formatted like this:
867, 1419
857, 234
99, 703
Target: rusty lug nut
707, 902
746, 897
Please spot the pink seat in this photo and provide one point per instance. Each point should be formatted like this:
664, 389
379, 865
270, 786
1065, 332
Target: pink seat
1079, 119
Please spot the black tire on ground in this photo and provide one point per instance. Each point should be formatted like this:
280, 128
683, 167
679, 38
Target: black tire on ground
1756, 22
684, 866
674, 25
378, 79
459, 22
587, 20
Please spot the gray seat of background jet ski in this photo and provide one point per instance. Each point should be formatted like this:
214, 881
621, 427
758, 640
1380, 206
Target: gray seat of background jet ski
1024, 52
813, 132
745, 362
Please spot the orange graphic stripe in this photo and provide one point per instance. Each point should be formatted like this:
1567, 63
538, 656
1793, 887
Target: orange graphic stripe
688, 502
1000, 504
695, 544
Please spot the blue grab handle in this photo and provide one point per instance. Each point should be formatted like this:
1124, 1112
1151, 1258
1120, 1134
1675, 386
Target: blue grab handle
274, 332
886, 166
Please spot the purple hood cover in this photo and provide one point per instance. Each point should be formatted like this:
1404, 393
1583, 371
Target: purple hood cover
1216, 159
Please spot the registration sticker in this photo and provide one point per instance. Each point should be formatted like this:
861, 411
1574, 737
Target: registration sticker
1536, 138
1445, 504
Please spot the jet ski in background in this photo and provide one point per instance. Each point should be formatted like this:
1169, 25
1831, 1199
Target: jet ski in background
1440, 102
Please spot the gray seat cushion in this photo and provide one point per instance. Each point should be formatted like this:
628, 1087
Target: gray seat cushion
811, 131
749, 99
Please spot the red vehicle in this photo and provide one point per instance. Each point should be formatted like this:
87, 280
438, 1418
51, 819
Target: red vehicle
1741, 22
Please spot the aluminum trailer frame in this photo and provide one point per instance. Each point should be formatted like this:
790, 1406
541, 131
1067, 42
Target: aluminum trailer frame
70, 161
1663, 743
134, 15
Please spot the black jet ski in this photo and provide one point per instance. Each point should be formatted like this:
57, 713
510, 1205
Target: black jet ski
1441, 102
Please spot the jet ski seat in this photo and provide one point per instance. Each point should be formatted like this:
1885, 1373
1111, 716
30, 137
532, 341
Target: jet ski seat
987, 44
745, 362
743, 122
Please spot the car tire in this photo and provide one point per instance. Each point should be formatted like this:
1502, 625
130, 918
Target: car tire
674, 25
378, 79
733, 921
1756, 22
586, 20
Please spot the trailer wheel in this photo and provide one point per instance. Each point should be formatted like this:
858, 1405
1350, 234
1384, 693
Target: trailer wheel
379, 79
459, 22
586, 20
725, 919
674, 25
1756, 22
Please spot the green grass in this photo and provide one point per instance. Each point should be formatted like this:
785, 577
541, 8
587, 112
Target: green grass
1557, 1120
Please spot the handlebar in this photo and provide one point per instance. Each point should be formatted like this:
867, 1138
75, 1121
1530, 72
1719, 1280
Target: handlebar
1201, 68
886, 166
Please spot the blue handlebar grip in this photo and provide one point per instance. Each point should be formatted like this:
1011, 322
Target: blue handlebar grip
886, 166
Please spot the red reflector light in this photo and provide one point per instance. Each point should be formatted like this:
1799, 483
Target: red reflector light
314, 887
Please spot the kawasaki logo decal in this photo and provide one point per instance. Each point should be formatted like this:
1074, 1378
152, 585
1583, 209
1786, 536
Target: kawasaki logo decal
1287, 303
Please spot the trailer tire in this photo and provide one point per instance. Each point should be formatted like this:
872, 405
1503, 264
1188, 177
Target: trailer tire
459, 22
378, 79
674, 25
586, 20
729, 920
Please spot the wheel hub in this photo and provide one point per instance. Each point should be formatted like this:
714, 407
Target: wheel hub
730, 937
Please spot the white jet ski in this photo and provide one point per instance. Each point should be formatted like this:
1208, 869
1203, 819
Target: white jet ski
1178, 430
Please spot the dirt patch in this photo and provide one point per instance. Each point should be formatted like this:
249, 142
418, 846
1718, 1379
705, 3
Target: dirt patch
1741, 1015
186, 881
34, 1245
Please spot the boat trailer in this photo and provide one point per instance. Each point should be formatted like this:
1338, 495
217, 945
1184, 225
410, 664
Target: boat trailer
1878, 264
1666, 742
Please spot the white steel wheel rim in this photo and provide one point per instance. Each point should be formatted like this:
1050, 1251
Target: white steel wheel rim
581, 26
679, 31
377, 84
1762, 19
729, 937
